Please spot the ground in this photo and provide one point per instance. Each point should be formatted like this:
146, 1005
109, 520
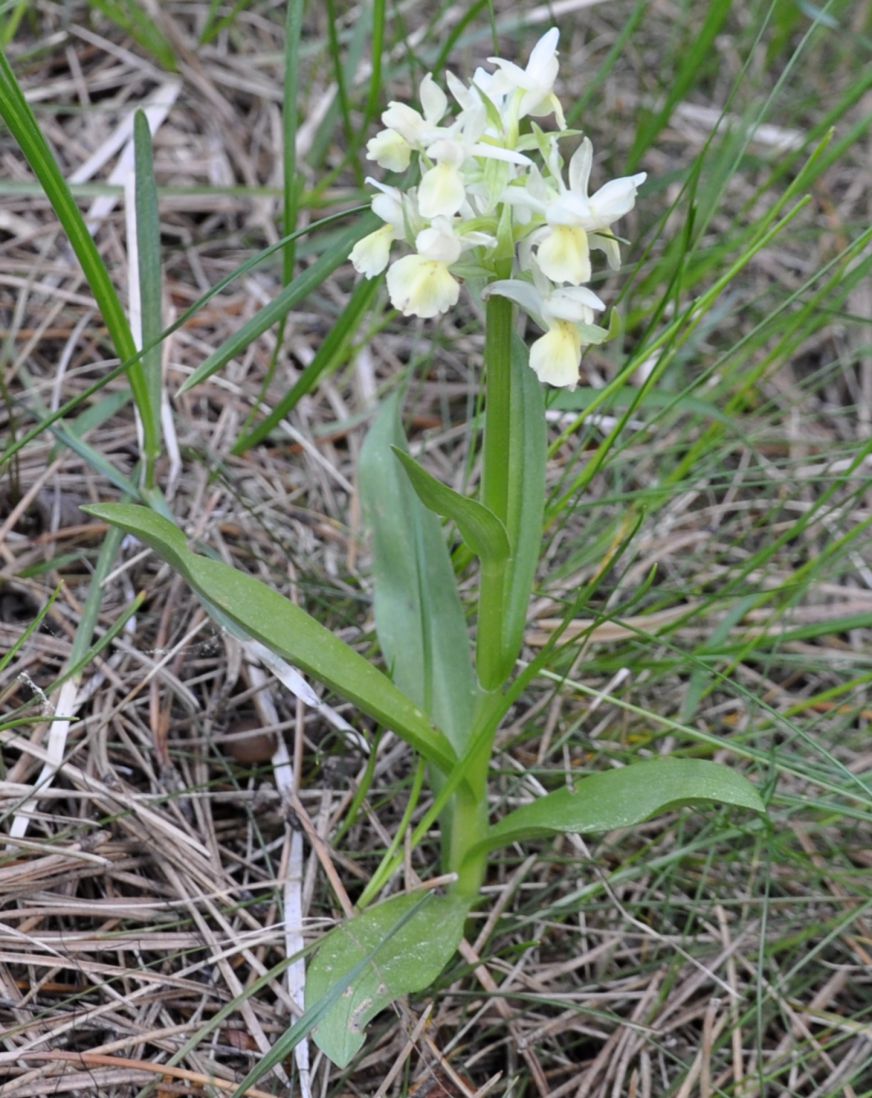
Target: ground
179, 823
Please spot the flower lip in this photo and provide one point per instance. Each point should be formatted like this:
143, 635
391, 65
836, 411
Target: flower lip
389, 150
422, 287
564, 254
441, 192
556, 356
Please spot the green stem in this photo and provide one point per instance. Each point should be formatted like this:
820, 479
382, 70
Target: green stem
468, 824
385, 870
490, 654
465, 822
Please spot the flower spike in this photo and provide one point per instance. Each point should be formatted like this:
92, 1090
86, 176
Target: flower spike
491, 181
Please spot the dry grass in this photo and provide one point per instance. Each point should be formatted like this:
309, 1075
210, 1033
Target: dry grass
148, 908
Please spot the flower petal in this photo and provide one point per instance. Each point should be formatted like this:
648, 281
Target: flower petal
542, 66
459, 90
389, 150
614, 199
370, 255
397, 209
421, 287
439, 241
564, 255
579, 168
522, 293
441, 192
556, 356
610, 246
573, 303
407, 122
433, 99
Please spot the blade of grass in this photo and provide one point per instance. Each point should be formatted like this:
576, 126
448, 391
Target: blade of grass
22, 123
329, 352
149, 287
292, 295
11, 451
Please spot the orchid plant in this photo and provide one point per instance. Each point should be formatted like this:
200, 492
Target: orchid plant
496, 210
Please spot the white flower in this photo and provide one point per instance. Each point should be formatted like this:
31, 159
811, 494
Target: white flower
566, 313
442, 191
575, 222
407, 130
371, 254
564, 254
421, 284
394, 207
415, 128
535, 82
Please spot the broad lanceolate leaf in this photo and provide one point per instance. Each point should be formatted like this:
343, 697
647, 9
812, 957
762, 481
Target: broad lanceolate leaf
479, 527
622, 798
390, 950
419, 620
286, 629
526, 499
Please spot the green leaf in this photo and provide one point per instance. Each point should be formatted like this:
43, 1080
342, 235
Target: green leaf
365, 964
148, 369
526, 496
419, 619
479, 527
623, 798
275, 621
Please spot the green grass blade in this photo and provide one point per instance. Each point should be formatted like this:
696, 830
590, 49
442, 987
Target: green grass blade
141, 27
374, 94
681, 80
148, 368
290, 183
16, 113
352, 133
214, 27
326, 357
11, 21
291, 296
29, 630
48, 421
